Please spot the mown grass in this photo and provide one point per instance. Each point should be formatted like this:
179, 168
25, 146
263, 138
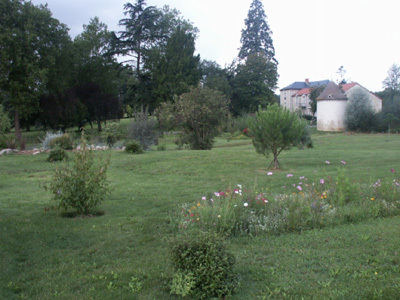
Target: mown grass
124, 254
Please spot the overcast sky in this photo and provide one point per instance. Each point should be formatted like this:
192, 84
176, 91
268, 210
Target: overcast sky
312, 38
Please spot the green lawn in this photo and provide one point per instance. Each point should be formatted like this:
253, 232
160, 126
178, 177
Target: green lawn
124, 253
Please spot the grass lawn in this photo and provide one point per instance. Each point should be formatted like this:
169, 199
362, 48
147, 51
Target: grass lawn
124, 253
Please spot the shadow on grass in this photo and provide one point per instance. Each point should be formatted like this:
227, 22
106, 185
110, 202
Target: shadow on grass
74, 214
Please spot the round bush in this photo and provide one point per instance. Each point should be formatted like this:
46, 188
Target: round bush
133, 147
203, 265
57, 154
64, 141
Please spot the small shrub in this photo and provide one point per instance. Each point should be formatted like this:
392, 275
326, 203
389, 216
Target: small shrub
111, 140
142, 129
83, 186
203, 265
161, 147
49, 137
133, 147
57, 154
64, 141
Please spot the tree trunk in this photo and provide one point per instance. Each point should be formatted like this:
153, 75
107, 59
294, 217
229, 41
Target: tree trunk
99, 129
17, 127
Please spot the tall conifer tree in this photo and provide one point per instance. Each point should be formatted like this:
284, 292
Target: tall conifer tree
256, 37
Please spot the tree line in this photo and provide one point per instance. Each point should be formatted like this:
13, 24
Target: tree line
49, 79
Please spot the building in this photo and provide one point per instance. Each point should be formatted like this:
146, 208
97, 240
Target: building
332, 103
297, 95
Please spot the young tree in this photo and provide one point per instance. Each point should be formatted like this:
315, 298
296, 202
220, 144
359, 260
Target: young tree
30, 41
274, 130
359, 114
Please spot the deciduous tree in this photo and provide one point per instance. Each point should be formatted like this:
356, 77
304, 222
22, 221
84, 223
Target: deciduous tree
359, 114
30, 40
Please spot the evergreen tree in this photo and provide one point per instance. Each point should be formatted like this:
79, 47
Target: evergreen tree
256, 74
256, 37
274, 130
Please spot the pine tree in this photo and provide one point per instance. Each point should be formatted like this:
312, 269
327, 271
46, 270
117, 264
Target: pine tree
256, 37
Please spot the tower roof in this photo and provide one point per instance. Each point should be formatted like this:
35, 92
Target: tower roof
332, 92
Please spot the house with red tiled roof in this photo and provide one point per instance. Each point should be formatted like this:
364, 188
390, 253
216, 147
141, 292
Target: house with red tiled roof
296, 97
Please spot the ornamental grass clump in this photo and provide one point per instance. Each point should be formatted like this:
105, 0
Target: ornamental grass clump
82, 186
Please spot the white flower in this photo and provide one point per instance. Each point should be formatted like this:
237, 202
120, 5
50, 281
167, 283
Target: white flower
239, 185
270, 173
245, 204
203, 198
216, 194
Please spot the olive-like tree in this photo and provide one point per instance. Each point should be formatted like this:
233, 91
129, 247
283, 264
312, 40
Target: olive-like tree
274, 130
200, 113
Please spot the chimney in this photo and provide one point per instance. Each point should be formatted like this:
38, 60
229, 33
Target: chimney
308, 81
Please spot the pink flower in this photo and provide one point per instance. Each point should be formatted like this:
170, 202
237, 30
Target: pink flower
322, 181
289, 175
216, 194
299, 188
343, 162
270, 173
392, 170
302, 177
203, 198
327, 162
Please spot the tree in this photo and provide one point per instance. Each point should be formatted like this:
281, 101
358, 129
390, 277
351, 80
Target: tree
152, 39
392, 81
274, 130
314, 93
100, 106
359, 114
93, 58
256, 37
199, 113
257, 77
253, 83
30, 40
177, 70
341, 73
5, 124
215, 78
142, 31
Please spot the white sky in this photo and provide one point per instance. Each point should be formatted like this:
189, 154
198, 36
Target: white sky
312, 38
